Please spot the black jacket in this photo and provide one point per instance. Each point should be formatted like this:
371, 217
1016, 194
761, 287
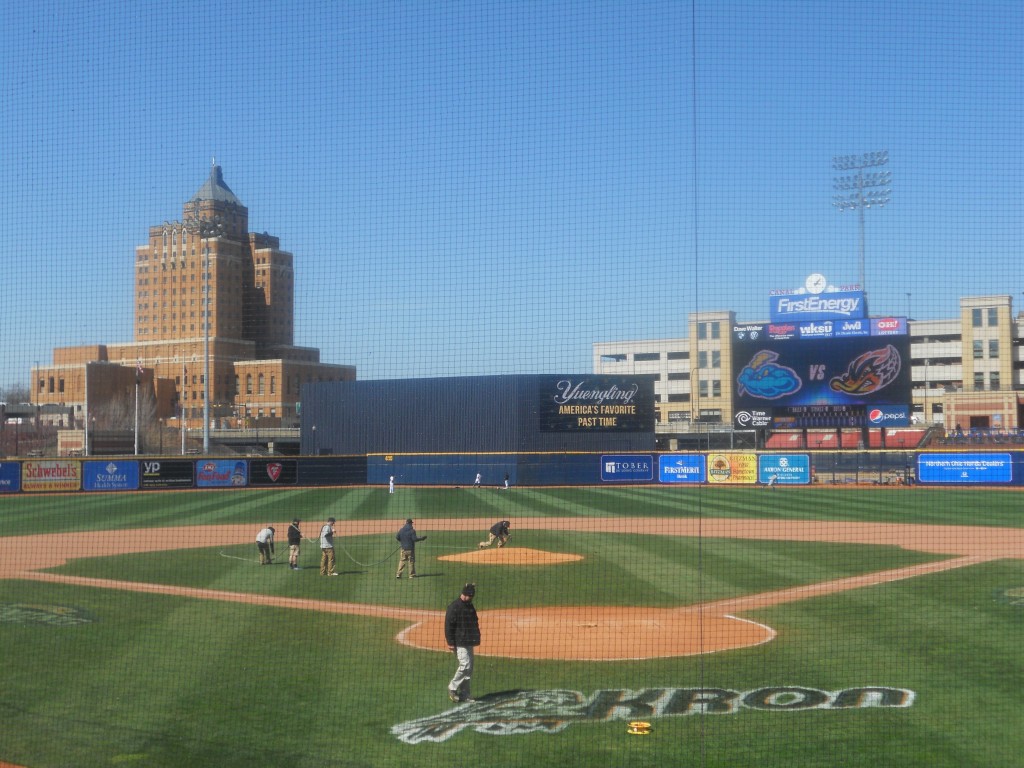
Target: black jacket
407, 537
294, 535
500, 529
460, 623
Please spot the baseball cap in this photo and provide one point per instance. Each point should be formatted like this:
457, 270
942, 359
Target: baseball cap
331, 520
469, 590
408, 520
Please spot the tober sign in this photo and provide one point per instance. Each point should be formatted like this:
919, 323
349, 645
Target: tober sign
596, 403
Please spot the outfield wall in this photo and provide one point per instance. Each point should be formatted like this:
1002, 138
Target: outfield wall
937, 469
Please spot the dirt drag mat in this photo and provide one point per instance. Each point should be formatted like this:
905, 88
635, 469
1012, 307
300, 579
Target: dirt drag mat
596, 633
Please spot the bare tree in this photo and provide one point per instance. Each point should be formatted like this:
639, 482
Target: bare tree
16, 393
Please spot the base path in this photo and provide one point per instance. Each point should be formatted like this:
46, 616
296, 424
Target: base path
595, 633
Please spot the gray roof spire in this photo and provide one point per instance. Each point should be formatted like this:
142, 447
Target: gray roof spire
215, 189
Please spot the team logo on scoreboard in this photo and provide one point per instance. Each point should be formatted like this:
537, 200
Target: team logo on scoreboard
763, 377
870, 372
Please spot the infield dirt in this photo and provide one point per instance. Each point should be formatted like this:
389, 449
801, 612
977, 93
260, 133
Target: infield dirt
595, 633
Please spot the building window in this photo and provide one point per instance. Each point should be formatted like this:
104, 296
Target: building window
993, 381
979, 349
993, 317
644, 357
702, 330
681, 398
716, 359
679, 377
248, 383
702, 359
678, 356
702, 388
976, 317
979, 380
993, 348
714, 330
273, 385
261, 380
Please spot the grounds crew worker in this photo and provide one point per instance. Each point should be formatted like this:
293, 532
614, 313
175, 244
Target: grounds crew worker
498, 531
265, 544
407, 539
294, 543
462, 632
327, 549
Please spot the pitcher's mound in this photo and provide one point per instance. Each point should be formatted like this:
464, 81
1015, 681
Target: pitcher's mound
512, 556
598, 633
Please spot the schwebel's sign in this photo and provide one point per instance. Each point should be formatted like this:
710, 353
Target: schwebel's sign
837, 305
596, 403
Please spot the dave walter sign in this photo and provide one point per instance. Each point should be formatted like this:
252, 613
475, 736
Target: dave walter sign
596, 403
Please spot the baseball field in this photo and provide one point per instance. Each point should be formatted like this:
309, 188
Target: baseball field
744, 626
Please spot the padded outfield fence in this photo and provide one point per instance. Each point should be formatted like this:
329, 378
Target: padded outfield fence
947, 468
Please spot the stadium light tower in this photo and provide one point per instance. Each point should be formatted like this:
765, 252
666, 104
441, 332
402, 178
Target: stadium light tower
206, 228
861, 189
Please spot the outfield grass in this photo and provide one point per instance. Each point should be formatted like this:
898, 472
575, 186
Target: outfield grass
158, 680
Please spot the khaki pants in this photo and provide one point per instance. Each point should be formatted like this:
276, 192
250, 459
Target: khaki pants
327, 561
408, 556
264, 549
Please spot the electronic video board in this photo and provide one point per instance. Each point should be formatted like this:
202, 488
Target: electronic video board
805, 375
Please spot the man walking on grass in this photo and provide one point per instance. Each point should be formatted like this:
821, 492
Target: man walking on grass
462, 632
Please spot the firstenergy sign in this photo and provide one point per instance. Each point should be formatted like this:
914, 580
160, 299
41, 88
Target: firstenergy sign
838, 305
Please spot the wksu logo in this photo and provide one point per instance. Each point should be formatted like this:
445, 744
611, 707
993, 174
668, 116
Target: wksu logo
518, 712
274, 470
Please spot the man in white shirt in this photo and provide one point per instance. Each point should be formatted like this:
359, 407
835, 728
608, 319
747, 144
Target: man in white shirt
327, 549
265, 545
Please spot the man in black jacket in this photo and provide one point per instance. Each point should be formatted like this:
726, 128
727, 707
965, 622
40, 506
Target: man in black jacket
499, 532
294, 542
462, 632
407, 539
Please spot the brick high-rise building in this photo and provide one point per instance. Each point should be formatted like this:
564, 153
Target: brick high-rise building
255, 369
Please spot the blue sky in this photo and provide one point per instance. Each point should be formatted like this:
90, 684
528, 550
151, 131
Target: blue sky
477, 188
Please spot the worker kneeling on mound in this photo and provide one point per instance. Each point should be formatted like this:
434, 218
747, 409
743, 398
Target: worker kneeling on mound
499, 532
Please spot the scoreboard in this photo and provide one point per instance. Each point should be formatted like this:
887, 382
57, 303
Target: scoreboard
822, 374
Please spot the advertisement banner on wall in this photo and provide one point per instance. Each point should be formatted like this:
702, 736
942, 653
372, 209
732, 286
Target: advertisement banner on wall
784, 468
110, 475
51, 475
691, 468
596, 403
214, 473
964, 468
167, 473
627, 468
273, 472
10, 477
732, 468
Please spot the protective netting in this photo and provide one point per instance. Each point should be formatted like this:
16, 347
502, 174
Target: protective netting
715, 304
